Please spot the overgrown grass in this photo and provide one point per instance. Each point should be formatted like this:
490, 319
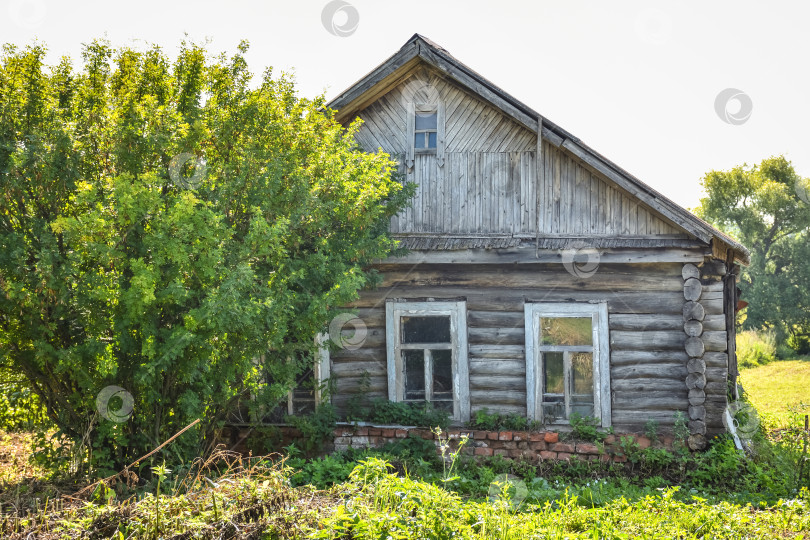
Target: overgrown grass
755, 348
253, 498
778, 390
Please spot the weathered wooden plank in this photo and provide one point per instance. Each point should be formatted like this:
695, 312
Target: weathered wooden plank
525, 254
506, 385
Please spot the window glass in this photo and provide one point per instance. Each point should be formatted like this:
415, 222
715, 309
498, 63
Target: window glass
566, 331
426, 121
434, 329
553, 366
431, 139
582, 373
442, 374
414, 361
419, 140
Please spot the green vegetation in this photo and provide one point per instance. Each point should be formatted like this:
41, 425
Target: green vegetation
755, 348
779, 391
165, 223
766, 208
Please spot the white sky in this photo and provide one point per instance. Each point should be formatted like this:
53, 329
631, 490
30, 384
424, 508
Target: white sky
637, 81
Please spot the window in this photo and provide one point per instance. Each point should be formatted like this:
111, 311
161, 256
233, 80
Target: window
427, 355
425, 131
567, 362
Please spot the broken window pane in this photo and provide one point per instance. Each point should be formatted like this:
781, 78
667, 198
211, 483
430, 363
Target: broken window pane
426, 329
566, 331
442, 374
414, 362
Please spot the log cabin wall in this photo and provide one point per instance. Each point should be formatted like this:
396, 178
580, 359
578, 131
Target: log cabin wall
489, 180
646, 324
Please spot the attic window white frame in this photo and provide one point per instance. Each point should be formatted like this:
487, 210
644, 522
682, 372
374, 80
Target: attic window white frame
598, 312
457, 311
412, 109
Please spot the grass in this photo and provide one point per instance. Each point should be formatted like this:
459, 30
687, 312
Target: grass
777, 388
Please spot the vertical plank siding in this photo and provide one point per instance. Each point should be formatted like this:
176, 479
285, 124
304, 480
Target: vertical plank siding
489, 182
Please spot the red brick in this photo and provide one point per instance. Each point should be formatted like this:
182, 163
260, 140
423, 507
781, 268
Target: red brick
564, 456
537, 446
523, 445
552, 437
520, 436
604, 457
643, 442
610, 439
401, 433
454, 434
587, 448
480, 435
481, 451
505, 436
515, 453
667, 441
509, 445
545, 454
362, 431
492, 435
562, 447
537, 436
374, 432
388, 433
619, 459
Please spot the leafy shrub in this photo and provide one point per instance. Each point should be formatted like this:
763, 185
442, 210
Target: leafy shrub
424, 414
755, 348
316, 428
585, 428
484, 420
20, 407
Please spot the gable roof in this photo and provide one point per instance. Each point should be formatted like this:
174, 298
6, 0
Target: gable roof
421, 49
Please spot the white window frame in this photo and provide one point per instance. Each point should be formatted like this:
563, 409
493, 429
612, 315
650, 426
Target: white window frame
410, 128
457, 311
601, 355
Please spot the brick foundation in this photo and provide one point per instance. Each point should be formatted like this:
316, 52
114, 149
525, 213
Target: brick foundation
536, 445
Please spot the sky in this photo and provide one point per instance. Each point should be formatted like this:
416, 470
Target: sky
666, 90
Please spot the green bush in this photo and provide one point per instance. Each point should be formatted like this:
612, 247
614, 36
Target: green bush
755, 348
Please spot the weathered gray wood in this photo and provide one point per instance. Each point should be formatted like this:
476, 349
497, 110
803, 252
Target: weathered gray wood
692, 290
694, 347
693, 311
690, 271
697, 427
527, 254
695, 380
632, 321
693, 328
696, 365
697, 412
696, 393
697, 441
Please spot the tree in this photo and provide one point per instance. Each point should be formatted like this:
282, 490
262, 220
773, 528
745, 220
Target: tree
162, 226
766, 208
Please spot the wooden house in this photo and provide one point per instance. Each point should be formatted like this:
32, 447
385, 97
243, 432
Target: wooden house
542, 278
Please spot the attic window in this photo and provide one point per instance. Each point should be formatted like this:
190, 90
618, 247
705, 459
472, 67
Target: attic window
425, 131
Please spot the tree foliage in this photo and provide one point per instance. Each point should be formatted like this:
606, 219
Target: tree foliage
766, 207
120, 265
